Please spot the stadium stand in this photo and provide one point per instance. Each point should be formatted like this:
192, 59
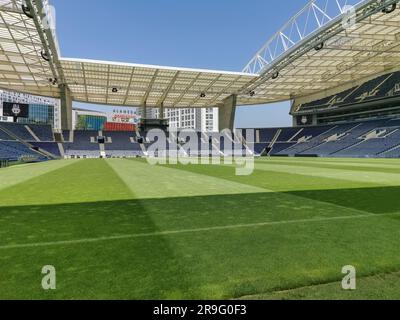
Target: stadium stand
50, 147
14, 151
280, 146
22, 141
5, 136
18, 130
267, 135
374, 138
43, 132
66, 134
288, 134
84, 140
383, 87
121, 144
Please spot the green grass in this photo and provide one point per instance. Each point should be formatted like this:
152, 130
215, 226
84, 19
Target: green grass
122, 229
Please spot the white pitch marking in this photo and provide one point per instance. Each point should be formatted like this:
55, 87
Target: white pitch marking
167, 233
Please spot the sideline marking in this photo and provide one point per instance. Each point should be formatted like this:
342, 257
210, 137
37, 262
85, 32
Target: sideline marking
167, 233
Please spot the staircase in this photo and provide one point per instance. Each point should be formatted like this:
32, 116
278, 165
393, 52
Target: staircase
314, 138
32, 133
71, 136
296, 135
389, 150
61, 149
274, 140
144, 149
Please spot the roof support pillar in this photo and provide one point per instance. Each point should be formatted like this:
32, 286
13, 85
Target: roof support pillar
66, 108
227, 113
161, 111
143, 110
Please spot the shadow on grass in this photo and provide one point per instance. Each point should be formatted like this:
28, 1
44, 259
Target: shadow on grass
374, 200
131, 269
94, 219
150, 267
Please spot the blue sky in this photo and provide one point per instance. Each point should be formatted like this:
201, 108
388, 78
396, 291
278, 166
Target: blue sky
210, 34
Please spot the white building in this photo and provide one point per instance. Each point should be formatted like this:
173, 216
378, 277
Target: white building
124, 115
17, 97
199, 119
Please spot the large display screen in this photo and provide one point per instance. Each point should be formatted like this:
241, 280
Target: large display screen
18, 110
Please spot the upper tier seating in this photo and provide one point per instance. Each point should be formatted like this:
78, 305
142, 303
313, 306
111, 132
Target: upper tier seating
379, 88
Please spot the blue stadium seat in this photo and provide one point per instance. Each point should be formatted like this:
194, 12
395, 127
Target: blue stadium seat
18, 130
43, 132
13, 151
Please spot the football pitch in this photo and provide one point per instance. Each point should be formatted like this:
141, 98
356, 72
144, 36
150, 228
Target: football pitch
123, 229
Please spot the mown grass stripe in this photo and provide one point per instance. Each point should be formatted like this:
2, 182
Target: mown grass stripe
139, 176
270, 180
355, 166
73, 182
379, 178
21, 174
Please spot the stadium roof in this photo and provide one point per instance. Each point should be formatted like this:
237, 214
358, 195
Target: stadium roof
22, 67
313, 52
134, 84
329, 43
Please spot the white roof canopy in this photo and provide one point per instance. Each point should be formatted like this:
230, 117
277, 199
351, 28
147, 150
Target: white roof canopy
321, 49
296, 62
22, 67
133, 84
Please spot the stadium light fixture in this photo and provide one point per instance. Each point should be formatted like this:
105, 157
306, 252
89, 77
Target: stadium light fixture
27, 11
319, 46
275, 75
53, 81
390, 9
45, 55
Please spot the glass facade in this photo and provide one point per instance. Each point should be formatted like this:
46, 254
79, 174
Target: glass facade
88, 122
39, 114
44, 102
